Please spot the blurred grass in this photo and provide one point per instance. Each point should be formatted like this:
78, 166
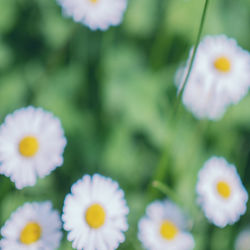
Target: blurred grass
114, 93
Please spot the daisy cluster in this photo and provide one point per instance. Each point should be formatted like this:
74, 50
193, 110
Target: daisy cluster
32, 142
222, 197
94, 213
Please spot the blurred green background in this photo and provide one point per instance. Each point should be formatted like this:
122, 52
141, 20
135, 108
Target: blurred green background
114, 93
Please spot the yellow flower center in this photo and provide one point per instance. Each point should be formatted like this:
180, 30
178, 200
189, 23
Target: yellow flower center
30, 233
168, 230
222, 64
93, 1
223, 189
95, 216
28, 146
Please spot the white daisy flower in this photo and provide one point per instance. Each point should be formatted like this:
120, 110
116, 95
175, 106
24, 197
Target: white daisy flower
164, 227
243, 240
96, 14
31, 145
220, 77
95, 214
220, 192
34, 226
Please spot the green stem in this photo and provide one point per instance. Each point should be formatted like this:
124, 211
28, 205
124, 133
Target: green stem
194, 53
166, 190
162, 167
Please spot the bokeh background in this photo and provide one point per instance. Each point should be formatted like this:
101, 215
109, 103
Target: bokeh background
114, 93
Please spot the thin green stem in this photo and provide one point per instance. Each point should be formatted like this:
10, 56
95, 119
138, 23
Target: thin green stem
166, 190
162, 167
193, 54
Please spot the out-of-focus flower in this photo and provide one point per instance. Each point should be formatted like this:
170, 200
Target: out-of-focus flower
243, 240
220, 192
96, 14
164, 227
220, 77
94, 213
31, 227
31, 145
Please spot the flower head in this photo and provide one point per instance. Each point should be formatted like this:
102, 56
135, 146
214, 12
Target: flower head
94, 213
220, 77
96, 14
164, 227
31, 145
220, 192
32, 226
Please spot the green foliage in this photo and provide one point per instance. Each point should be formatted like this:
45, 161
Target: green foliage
114, 93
